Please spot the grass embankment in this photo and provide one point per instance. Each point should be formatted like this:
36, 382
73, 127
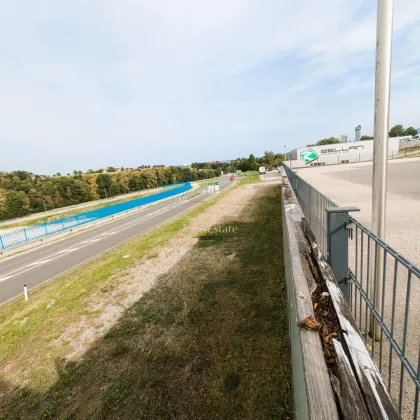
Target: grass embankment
193, 196
210, 340
70, 291
251, 178
67, 213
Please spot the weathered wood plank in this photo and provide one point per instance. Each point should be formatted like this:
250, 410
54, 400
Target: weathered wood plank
353, 405
320, 397
370, 381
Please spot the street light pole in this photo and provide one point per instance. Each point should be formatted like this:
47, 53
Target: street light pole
285, 153
380, 143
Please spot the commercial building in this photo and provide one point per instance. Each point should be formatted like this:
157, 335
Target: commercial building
330, 154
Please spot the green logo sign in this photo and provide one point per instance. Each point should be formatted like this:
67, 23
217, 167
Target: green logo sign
213, 183
308, 155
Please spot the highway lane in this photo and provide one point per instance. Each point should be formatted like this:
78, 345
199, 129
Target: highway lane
46, 262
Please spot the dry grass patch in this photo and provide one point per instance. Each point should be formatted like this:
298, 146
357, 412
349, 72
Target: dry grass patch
208, 340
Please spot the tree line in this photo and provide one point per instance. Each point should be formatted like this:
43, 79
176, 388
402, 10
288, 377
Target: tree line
399, 131
396, 131
251, 163
23, 193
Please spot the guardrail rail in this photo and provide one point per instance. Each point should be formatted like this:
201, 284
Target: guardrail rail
31, 233
385, 324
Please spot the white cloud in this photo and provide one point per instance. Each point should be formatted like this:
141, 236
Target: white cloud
124, 82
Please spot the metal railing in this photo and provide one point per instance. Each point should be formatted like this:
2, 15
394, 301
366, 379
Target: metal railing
27, 234
395, 348
409, 151
313, 204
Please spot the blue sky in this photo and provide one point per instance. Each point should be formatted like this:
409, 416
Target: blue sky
87, 84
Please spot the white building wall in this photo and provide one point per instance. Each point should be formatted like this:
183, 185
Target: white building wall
340, 153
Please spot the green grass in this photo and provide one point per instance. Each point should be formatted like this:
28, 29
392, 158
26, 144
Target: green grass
70, 291
193, 196
210, 340
251, 177
67, 290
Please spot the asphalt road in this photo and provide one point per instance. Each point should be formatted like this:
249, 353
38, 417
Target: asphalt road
270, 175
47, 262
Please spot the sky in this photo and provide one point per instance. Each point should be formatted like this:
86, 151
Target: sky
89, 83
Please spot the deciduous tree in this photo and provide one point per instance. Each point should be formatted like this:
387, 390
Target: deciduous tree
397, 131
410, 131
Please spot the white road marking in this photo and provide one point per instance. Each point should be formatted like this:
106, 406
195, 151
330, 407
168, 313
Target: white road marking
40, 262
66, 251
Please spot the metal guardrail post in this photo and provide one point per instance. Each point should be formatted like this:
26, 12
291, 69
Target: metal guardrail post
1, 242
338, 245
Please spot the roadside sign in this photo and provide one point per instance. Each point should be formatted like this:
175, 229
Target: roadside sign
213, 187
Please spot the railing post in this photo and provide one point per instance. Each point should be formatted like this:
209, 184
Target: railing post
338, 245
1, 242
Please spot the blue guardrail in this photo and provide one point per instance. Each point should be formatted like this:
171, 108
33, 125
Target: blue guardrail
31, 233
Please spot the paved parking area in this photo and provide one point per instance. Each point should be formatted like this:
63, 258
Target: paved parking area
351, 185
